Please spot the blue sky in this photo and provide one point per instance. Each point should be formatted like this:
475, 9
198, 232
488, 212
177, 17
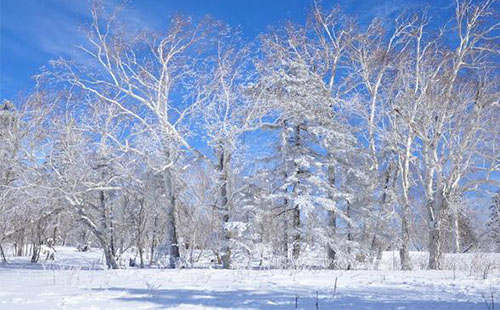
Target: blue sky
34, 31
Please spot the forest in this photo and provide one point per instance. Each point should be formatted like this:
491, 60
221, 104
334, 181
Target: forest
317, 144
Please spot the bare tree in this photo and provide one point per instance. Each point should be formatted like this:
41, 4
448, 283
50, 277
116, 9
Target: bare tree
140, 75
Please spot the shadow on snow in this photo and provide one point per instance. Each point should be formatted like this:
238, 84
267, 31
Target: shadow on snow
358, 299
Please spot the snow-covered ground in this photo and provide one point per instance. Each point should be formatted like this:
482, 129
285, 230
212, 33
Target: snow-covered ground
75, 281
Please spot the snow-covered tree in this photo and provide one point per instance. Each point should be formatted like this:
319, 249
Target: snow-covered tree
493, 225
144, 76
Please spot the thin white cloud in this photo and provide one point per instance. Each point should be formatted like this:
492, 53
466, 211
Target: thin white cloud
44, 26
54, 26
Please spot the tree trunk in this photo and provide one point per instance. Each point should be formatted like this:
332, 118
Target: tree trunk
153, 240
107, 240
173, 254
222, 161
140, 248
435, 246
226, 249
20, 243
37, 243
55, 230
296, 209
35, 257
102, 235
439, 207
171, 244
404, 253
349, 234
285, 232
332, 221
332, 224
4, 259
110, 258
456, 231
296, 233
286, 201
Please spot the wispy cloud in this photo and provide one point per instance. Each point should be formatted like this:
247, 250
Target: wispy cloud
366, 10
34, 31
50, 27
55, 26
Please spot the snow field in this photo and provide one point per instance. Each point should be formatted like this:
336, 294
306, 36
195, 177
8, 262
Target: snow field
69, 283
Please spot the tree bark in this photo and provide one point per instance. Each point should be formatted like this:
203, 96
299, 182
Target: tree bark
4, 259
141, 256
296, 209
349, 234
171, 244
285, 232
296, 233
439, 207
102, 236
435, 246
153, 240
404, 253
37, 243
110, 258
286, 201
36, 253
20, 243
332, 221
222, 160
107, 241
332, 224
456, 231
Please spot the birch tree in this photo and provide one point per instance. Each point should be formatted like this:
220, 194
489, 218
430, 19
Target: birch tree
233, 108
455, 115
143, 75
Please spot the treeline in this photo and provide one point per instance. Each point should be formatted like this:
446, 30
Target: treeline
322, 143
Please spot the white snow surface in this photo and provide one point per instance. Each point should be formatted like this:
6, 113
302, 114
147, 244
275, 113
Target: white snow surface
76, 280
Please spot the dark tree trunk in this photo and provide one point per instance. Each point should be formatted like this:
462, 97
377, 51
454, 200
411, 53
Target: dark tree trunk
153, 240
435, 246
436, 236
296, 210
20, 243
404, 252
107, 240
141, 255
171, 243
332, 220
4, 259
37, 243
223, 203
285, 232
332, 224
35, 257
349, 234
110, 258
296, 233
286, 201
